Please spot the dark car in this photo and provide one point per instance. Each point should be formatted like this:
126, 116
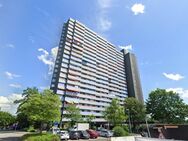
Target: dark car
93, 134
74, 135
84, 134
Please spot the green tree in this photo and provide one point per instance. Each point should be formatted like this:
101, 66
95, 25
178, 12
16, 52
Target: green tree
41, 107
73, 113
6, 119
115, 113
166, 107
89, 119
135, 109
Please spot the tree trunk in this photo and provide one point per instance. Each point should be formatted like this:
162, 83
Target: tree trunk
41, 127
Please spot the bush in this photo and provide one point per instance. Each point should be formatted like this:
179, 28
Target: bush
31, 129
126, 128
40, 137
119, 131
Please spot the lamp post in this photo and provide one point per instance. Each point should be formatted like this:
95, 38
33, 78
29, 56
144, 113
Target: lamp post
147, 125
130, 127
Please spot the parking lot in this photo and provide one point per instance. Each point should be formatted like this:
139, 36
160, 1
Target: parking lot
98, 139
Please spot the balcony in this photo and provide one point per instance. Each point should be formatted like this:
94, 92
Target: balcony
73, 82
61, 80
73, 88
61, 86
93, 108
77, 47
63, 70
75, 63
75, 68
87, 91
89, 68
87, 86
63, 75
74, 72
93, 103
72, 77
76, 59
87, 81
89, 113
76, 55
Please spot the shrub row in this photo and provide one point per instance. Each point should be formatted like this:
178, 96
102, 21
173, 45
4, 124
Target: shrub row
120, 131
40, 137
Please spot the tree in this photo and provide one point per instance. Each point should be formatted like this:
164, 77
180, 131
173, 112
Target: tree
115, 113
135, 109
73, 113
6, 119
41, 107
89, 119
166, 107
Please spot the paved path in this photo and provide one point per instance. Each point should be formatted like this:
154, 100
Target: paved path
11, 135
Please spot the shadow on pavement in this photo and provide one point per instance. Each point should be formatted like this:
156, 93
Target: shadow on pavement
10, 139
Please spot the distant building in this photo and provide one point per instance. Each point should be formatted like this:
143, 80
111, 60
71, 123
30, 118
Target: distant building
89, 71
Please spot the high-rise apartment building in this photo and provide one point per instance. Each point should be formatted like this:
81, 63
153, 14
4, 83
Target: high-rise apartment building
89, 71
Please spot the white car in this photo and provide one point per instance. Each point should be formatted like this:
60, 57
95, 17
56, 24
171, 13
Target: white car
64, 135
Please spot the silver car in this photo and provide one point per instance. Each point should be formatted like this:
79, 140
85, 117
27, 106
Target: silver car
106, 133
64, 135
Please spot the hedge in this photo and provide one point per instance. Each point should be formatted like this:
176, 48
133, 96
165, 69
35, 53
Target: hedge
40, 137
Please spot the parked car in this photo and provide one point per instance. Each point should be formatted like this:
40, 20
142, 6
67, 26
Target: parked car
93, 134
84, 134
106, 133
74, 135
64, 135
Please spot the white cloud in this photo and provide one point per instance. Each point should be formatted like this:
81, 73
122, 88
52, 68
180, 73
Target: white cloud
103, 21
104, 24
44, 87
128, 47
104, 3
182, 92
48, 58
11, 75
15, 85
10, 46
173, 76
31, 39
7, 102
138, 8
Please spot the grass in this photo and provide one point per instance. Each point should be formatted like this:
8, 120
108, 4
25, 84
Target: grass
40, 137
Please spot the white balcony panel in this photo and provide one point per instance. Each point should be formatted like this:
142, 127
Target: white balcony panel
72, 88
75, 68
63, 75
61, 86
91, 113
93, 108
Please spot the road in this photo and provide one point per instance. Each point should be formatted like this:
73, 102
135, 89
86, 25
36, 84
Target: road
11, 135
98, 139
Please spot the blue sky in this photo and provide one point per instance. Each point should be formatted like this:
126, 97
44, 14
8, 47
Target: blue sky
155, 30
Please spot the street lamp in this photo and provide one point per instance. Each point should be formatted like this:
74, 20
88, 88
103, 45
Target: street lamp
147, 116
130, 127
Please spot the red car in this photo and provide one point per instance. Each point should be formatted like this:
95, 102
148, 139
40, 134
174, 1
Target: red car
93, 134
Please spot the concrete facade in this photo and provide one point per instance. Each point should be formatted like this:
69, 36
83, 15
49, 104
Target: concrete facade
89, 71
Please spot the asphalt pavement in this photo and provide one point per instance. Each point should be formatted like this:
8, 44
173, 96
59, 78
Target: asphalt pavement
11, 135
